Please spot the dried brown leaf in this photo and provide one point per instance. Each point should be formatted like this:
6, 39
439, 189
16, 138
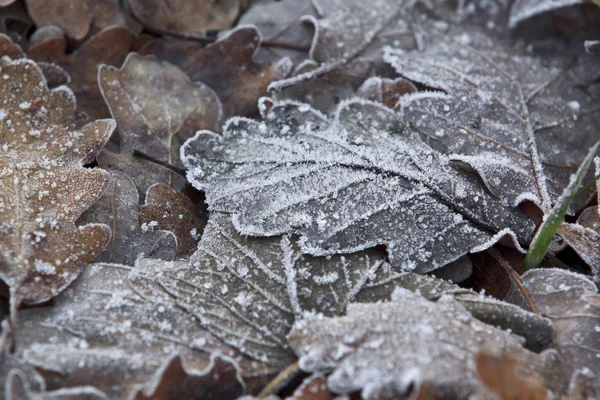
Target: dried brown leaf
76, 16
109, 47
44, 186
183, 16
156, 108
227, 66
118, 208
173, 211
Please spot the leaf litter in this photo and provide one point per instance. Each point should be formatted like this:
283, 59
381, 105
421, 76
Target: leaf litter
440, 119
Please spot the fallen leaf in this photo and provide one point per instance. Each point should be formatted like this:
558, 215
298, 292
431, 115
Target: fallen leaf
501, 375
348, 183
249, 291
118, 208
495, 100
366, 351
173, 211
219, 381
521, 10
109, 46
228, 66
182, 16
76, 17
15, 21
44, 185
124, 335
156, 108
571, 301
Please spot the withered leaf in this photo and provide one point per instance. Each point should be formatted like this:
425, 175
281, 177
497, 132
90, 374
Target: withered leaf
182, 16
495, 99
348, 183
118, 208
76, 16
571, 301
227, 66
124, 335
249, 291
156, 108
173, 211
109, 46
44, 187
434, 347
523, 9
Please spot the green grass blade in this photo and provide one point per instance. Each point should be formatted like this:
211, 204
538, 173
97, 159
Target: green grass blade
546, 231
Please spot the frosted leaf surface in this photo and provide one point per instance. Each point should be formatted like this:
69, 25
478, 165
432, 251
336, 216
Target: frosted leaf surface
524, 9
571, 301
118, 208
494, 96
360, 179
118, 332
156, 107
43, 185
249, 291
387, 349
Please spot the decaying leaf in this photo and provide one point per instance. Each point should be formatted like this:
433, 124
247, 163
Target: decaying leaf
44, 187
15, 22
173, 211
156, 108
227, 66
123, 335
249, 291
390, 350
109, 46
183, 16
524, 9
495, 99
118, 208
571, 301
76, 16
360, 179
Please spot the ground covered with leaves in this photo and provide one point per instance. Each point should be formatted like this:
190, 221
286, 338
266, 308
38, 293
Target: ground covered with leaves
307, 199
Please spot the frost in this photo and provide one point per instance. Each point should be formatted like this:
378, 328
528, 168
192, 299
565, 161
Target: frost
342, 194
524, 9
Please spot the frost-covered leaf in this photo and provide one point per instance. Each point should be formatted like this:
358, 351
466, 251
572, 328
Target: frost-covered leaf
495, 99
76, 16
281, 21
571, 301
185, 16
228, 66
249, 291
123, 335
391, 350
109, 46
118, 208
173, 211
43, 185
360, 179
524, 9
156, 108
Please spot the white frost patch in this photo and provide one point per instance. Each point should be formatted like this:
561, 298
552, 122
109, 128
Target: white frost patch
44, 267
325, 279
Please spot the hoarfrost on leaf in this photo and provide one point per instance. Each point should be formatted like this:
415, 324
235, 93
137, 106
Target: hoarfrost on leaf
348, 183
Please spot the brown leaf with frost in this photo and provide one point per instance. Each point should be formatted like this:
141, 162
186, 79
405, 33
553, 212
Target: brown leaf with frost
173, 211
228, 66
157, 108
77, 16
220, 380
391, 350
122, 335
109, 47
44, 187
118, 208
184, 16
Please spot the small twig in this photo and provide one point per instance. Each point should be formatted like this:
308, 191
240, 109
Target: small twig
147, 157
329, 67
290, 373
